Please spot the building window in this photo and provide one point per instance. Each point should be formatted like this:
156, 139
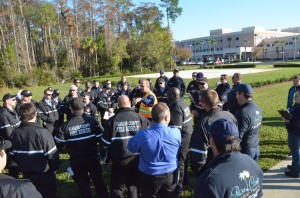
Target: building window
221, 48
268, 45
286, 43
237, 46
221, 41
290, 43
237, 38
204, 50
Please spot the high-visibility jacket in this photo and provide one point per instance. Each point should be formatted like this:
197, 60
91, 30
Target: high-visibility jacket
146, 110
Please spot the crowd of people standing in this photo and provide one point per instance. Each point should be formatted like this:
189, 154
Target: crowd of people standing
148, 134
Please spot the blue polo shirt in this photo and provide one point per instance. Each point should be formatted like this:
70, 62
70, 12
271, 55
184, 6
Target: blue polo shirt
158, 147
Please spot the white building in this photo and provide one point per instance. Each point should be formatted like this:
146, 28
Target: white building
227, 44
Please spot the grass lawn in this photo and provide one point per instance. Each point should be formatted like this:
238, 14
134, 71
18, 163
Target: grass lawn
273, 136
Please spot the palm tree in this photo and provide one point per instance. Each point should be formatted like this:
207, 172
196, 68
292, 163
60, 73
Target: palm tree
246, 42
194, 44
263, 47
282, 43
90, 47
276, 43
200, 46
214, 41
295, 38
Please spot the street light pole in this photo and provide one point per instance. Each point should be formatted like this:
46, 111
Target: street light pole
282, 56
191, 52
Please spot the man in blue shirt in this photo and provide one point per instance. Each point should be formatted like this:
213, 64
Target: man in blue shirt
158, 147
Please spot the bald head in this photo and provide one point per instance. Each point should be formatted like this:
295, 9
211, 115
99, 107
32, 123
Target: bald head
124, 102
173, 94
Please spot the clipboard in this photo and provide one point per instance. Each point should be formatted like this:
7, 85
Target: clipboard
285, 114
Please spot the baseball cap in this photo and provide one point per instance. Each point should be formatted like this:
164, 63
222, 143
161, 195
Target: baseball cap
162, 71
200, 75
221, 129
245, 88
26, 93
202, 80
8, 96
160, 80
56, 92
175, 70
4, 144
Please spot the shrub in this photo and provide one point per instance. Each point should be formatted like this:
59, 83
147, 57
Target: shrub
250, 65
286, 65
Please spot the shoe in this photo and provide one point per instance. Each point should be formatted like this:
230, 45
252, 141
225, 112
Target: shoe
289, 167
289, 174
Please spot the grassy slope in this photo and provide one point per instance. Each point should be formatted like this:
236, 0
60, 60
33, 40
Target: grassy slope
273, 136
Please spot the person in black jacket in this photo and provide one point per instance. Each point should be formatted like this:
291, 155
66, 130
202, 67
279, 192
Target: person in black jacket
193, 87
9, 186
249, 117
120, 83
95, 91
106, 103
48, 111
161, 76
293, 128
136, 93
118, 131
59, 107
35, 153
73, 93
81, 134
9, 120
200, 152
223, 89
232, 103
89, 108
181, 118
178, 82
162, 91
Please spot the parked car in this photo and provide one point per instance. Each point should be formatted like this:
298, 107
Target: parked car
181, 62
209, 62
227, 61
218, 62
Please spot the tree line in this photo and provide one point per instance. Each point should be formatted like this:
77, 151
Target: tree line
46, 41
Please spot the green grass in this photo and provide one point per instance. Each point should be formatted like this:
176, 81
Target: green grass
273, 136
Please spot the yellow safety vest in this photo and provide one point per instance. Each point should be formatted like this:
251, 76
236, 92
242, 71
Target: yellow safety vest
146, 110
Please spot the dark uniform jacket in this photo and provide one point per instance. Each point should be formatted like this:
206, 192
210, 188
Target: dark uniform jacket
119, 130
294, 125
232, 103
9, 120
230, 175
104, 102
162, 96
91, 110
193, 87
21, 188
223, 90
95, 91
181, 116
59, 108
120, 84
49, 114
80, 135
66, 106
196, 106
249, 117
136, 93
33, 149
290, 99
179, 83
200, 153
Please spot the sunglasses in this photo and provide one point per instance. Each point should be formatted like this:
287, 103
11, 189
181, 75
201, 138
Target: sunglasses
72, 90
48, 94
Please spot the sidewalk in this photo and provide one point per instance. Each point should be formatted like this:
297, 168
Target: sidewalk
277, 185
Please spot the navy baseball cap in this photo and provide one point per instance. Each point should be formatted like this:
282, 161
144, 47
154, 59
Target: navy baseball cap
7, 96
161, 71
200, 75
175, 70
221, 129
202, 80
4, 144
245, 88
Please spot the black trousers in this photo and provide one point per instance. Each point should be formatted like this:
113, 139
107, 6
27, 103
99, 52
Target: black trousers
185, 139
154, 186
84, 170
124, 174
45, 183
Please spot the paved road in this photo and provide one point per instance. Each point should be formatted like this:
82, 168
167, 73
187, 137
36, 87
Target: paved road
209, 73
277, 185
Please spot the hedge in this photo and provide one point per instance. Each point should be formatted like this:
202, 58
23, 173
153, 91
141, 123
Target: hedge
286, 65
229, 66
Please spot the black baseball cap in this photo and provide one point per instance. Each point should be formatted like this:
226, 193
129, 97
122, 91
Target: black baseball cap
26, 93
8, 96
161, 71
175, 70
4, 144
